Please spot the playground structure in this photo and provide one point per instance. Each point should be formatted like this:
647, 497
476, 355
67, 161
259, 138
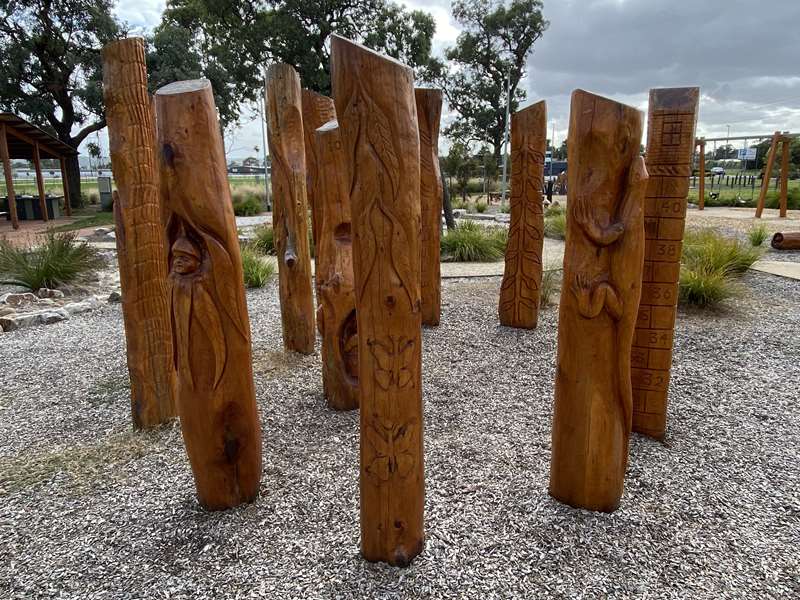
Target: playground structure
778, 138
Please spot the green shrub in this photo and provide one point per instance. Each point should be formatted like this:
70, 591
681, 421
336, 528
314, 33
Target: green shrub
470, 242
505, 207
555, 225
457, 203
705, 287
257, 269
90, 198
481, 206
705, 249
59, 260
554, 210
499, 236
757, 234
247, 200
551, 280
264, 240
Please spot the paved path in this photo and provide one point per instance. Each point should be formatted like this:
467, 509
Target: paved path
778, 267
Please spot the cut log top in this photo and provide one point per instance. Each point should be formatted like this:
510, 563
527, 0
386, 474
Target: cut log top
347, 47
184, 87
530, 116
123, 47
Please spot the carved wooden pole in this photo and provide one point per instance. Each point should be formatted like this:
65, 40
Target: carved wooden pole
141, 245
670, 143
210, 326
317, 110
429, 112
602, 282
336, 311
522, 279
289, 216
762, 195
377, 114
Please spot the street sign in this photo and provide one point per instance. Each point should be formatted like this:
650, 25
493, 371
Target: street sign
747, 153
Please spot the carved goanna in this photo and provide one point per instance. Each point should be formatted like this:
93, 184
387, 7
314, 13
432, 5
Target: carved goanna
317, 110
429, 111
290, 221
336, 316
522, 278
602, 273
141, 246
377, 115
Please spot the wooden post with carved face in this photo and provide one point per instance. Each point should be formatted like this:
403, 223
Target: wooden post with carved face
317, 110
210, 325
429, 112
522, 279
602, 282
336, 299
141, 245
378, 121
670, 146
290, 210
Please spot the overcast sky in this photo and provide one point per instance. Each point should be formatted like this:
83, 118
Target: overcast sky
744, 55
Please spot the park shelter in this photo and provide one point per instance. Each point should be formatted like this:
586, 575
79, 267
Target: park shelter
20, 139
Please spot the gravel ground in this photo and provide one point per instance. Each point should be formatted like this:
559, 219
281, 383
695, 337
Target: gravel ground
89, 509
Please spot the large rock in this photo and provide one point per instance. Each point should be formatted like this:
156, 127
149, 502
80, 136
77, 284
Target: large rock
6, 310
48, 293
28, 319
18, 300
76, 308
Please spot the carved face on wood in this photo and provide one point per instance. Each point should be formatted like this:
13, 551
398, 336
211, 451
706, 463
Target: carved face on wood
185, 257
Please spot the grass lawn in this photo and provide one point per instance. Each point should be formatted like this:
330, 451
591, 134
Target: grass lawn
91, 219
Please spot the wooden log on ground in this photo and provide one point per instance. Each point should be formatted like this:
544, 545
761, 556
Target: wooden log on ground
429, 112
336, 310
602, 282
786, 241
522, 277
290, 208
210, 325
670, 144
317, 110
377, 116
141, 243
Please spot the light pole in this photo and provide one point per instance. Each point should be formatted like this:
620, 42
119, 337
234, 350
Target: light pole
505, 135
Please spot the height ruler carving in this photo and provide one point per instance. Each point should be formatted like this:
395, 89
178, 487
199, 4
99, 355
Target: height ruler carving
290, 210
602, 282
141, 245
317, 110
336, 313
670, 144
378, 120
210, 326
429, 112
522, 279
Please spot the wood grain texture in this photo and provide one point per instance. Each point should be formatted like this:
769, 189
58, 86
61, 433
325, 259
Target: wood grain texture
317, 110
290, 210
210, 325
522, 278
336, 311
672, 117
762, 194
378, 120
602, 282
141, 243
786, 241
429, 113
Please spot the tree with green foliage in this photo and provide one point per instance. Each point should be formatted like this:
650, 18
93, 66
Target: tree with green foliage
230, 42
458, 164
495, 42
52, 69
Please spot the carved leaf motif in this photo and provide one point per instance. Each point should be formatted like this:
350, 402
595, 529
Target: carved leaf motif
206, 313
391, 449
222, 273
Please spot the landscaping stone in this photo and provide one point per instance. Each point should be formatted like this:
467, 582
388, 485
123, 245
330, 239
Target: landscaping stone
114, 297
6, 310
77, 308
19, 300
20, 320
48, 293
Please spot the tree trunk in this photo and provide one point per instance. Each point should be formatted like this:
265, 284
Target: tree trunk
210, 326
375, 104
290, 209
670, 145
141, 245
519, 292
74, 180
603, 262
448, 206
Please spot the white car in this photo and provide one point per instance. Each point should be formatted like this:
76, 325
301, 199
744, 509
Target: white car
717, 171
